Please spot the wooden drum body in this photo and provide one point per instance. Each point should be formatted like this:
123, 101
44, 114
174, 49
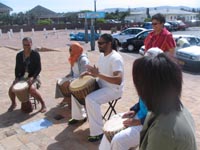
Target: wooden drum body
113, 126
21, 91
81, 87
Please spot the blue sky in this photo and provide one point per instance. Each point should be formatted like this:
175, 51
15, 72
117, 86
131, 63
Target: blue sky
77, 5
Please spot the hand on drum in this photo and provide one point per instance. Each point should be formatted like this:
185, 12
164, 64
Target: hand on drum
93, 70
129, 114
131, 122
30, 81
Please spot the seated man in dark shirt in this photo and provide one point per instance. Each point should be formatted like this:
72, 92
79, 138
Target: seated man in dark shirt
27, 68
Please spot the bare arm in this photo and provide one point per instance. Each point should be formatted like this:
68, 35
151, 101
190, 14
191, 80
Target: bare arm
172, 52
131, 122
115, 79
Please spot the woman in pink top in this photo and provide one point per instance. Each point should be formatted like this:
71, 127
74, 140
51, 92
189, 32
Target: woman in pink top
160, 37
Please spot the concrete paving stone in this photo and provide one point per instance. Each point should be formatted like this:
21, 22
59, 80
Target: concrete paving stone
1, 147
10, 132
32, 146
11, 143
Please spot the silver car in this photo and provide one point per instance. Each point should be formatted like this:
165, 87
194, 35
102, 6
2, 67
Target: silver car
126, 34
189, 58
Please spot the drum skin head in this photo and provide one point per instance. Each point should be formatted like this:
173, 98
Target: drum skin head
114, 124
20, 85
80, 82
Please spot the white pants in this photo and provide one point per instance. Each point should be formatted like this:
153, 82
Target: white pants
78, 110
123, 140
93, 105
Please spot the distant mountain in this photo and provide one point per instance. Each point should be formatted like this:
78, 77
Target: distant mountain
109, 10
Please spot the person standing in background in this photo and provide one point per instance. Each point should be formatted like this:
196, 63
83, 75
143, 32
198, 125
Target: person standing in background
160, 37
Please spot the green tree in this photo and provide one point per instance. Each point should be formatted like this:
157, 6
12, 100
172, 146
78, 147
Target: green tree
44, 22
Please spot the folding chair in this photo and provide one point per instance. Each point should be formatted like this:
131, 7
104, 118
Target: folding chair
111, 109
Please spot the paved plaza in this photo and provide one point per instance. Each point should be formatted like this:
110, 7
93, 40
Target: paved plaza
55, 64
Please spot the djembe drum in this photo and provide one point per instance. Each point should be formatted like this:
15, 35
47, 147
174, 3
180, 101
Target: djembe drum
63, 84
83, 86
21, 91
113, 126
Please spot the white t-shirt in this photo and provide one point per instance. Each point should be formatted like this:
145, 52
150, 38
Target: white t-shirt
182, 41
109, 64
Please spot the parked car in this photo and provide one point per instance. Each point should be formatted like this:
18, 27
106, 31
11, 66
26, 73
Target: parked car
189, 58
133, 44
174, 25
125, 34
80, 36
193, 40
148, 25
168, 26
181, 25
141, 50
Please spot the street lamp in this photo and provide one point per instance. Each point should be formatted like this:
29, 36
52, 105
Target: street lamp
95, 10
92, 29
95, 5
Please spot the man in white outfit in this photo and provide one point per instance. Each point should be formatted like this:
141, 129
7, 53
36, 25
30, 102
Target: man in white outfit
110, 77
130, 137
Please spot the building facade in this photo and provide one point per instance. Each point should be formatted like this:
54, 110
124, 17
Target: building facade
170, 15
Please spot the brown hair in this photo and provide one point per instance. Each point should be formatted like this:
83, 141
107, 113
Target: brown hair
158, 81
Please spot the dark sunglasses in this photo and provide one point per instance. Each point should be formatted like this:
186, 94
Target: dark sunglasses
101, 43
154, 24
26, 44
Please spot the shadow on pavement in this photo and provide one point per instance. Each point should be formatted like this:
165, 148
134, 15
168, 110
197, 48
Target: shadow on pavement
78, 136
16, 116
58, 115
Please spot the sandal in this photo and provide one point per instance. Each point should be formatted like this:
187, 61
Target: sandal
11, 108
43, 110
95, 138
62, 104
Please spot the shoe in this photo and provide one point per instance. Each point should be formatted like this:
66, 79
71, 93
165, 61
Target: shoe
74, 121
95, 138
62, 104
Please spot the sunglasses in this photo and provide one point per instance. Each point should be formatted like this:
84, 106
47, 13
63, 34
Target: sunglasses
154, 24
26, 45
101, 43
